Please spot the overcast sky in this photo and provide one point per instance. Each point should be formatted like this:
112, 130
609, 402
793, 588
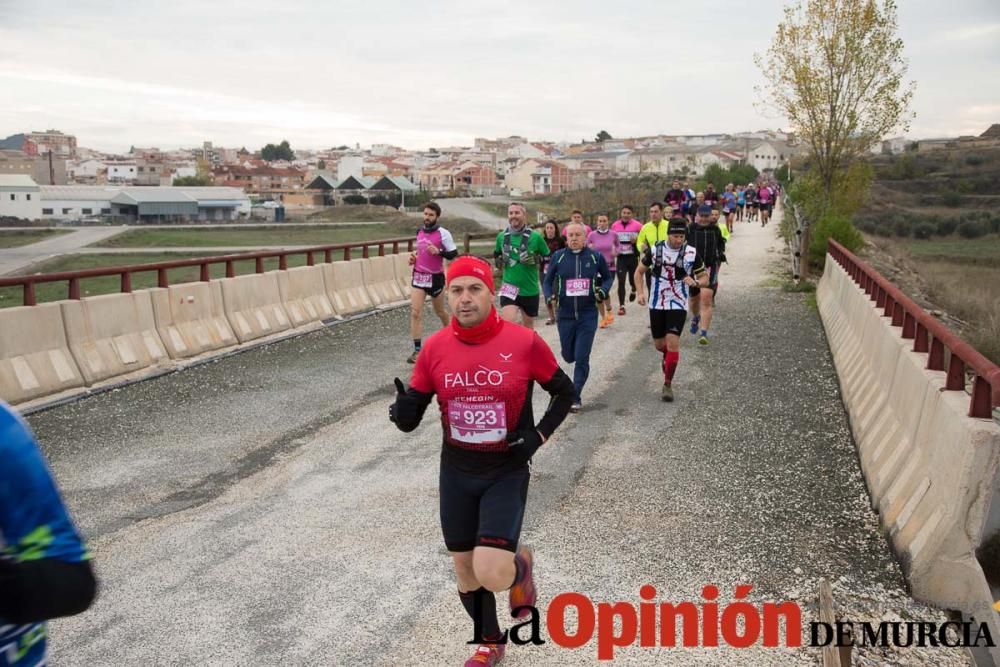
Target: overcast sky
323, 73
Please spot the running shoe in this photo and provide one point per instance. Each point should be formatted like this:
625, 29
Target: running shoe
604, 323
550, 321
703, 340
667, 393
631, 296
610, 319
576, 407
523, 593
486, 654
621, 310
695, 321
412, 359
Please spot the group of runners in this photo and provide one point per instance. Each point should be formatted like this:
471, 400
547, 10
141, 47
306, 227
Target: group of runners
482, 365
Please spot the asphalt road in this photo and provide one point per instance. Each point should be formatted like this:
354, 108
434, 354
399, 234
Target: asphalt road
14, 259
262, 510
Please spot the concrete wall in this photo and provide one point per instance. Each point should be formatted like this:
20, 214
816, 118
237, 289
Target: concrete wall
253, 306
112, 335
933, 472
74, 346
34, 355
191, 320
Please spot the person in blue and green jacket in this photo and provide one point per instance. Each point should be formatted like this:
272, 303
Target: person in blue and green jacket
45, 569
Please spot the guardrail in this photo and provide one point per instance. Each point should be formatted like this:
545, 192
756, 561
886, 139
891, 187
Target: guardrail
73, 278
928, 334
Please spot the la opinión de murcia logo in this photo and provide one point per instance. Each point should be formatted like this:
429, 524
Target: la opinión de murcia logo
738, 624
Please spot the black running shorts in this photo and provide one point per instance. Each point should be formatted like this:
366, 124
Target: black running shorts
529, 304
480, 511
437, 285
663, 322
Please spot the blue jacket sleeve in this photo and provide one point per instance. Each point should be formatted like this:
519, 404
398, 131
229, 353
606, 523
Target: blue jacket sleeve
550, 274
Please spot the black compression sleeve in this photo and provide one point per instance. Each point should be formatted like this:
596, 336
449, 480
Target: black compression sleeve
38, 590
450, 254
416, 403
560, 387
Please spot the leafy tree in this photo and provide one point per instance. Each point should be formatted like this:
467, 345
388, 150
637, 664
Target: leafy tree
835, 69
603, 135
321, 164
199, 180
282, 151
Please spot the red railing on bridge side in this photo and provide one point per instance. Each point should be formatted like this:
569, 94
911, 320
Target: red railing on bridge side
27, 283
929, 335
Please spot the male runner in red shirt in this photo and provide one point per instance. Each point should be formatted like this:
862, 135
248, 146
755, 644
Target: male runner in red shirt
482, 369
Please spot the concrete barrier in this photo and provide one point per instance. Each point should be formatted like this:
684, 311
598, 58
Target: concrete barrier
191, 320
113, 335
379, 275
303, 294
253, 306
931, 470
35, 359
346, 288
404, 272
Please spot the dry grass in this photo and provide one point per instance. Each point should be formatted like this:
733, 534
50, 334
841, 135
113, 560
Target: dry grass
971, 293
959, 276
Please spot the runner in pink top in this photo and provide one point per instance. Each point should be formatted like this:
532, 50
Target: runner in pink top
604, 241
434, 245
626, 229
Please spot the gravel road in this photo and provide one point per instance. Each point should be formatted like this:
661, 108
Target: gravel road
262, 510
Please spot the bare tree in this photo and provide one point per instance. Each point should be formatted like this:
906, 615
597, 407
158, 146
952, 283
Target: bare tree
835, 69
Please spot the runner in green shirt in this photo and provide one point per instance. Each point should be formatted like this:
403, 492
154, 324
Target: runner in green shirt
516, 253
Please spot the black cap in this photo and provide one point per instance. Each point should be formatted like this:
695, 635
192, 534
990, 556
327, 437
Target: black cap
677, 226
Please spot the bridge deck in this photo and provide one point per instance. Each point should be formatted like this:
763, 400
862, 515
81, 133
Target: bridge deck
261, 509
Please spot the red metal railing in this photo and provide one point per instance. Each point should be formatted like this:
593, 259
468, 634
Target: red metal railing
928, 335
73, 278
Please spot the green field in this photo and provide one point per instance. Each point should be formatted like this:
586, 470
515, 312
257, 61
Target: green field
984, 250
254, 236
14, 238
11, 296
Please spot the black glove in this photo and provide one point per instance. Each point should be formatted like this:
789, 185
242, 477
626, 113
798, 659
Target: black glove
523, 444
600, 295
405, 408
498, 261
722, 258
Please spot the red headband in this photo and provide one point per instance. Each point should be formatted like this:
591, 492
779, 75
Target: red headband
467, 265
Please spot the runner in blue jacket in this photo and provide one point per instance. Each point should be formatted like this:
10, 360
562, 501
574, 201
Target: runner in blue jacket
578, 279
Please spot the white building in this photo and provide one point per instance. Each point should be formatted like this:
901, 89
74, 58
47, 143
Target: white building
85, 170
769, 155
142, 204
73, 202
121, 172
350, 165
19, 197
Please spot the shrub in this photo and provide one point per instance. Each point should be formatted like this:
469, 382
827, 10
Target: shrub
924, 230
901, 227
952, 199
838, 228
867, 225
973, 229
946, 226
355, 199
974, 160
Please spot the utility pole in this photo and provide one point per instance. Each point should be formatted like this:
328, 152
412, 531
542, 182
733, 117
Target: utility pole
52, 171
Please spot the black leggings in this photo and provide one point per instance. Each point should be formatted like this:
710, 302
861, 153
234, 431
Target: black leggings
626, 264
